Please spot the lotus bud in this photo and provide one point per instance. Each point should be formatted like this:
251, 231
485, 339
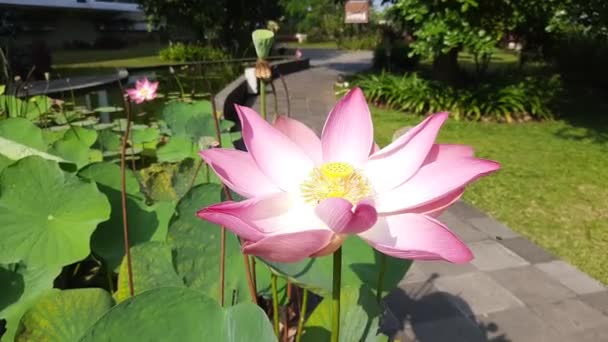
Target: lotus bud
47, 76
17, 78
171, 70
262, 40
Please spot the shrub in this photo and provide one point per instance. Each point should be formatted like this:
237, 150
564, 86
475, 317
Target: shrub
529, 98
399, 58
362, 42
180, 52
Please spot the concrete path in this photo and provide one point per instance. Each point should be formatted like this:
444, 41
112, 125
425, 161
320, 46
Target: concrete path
512, 291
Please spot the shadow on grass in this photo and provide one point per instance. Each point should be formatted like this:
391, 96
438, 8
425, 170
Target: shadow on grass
586, 111
423, 314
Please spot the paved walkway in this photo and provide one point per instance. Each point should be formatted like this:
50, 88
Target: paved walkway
512, 291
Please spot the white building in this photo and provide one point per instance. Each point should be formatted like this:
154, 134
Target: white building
65, 23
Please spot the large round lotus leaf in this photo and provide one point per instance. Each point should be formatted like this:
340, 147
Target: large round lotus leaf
11, 151
360, 265
22, 131
177, 149
47, 216
108, 242
61, 316
73, 151
152, 267
359, 317
193, 120
145, 135
196, 248
83, 135
180, 314
21, 286
108, 174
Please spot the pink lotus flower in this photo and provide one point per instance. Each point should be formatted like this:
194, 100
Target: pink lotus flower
144, 91
305, 194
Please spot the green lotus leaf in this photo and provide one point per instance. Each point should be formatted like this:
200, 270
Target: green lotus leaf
196, 247
180, 314
47, 216
21, 286
152, 267
359, 317
60, 316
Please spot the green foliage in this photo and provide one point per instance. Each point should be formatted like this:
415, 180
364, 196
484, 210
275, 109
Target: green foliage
152, 268
195, 245
360, 268
581, 57
63, 315
359, 42
180, 52
359, 317
441, 26
530, 97
399, 58
39, 206
180, 314
32, 108
22, 285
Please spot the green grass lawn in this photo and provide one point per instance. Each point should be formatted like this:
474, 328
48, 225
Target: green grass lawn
553, 185
86, 62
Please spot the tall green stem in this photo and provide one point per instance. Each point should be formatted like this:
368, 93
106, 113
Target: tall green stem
381, 272
302, 315
275, 304
335, 296
263, 98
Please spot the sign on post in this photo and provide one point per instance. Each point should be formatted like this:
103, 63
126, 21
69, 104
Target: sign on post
356, 12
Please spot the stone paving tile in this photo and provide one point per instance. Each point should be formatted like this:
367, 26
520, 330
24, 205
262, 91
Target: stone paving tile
465, 231
493, 228
531, 285
527, 250
446, 330
443, 268
570, 316
465, 211
519, 324
491, 255
598, 334
415, 274
420, 302
478, 293
598, 300
571, 277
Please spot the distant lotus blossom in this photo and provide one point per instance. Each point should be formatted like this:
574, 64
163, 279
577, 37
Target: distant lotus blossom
144, 91
298, 54
305, 195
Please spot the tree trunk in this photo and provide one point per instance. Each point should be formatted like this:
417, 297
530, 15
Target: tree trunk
445, 67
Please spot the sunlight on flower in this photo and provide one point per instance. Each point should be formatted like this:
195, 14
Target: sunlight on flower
305, 195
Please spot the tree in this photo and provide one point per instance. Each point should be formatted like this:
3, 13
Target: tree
218, 22
441, 29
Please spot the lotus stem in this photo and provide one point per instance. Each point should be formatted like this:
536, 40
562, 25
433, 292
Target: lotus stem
286, 92
123, 193
263, 98
302, 317
335, 296
381, 271
222, 262
275, 304
276, 100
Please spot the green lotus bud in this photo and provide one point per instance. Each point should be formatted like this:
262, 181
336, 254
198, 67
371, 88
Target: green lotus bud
262, 40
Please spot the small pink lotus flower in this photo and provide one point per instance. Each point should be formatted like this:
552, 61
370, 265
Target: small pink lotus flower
306, 194
298, 54
144, 91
